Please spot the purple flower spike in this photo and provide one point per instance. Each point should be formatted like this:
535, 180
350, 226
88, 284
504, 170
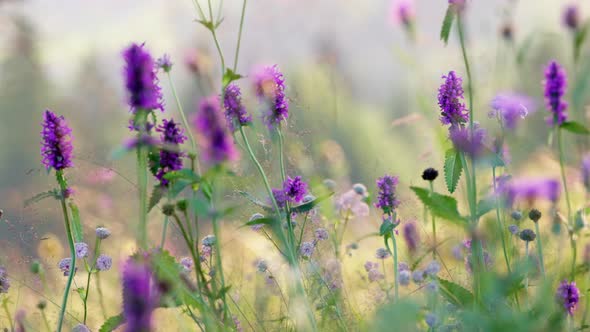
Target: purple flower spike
464, 141
386, 199
571, 17
403, 12
139, 296
141, 81
235, 112
450, 101
555, 85
586, 172
280, 197
170, 157
411, 235
530, 190
568, 295
214, 138
56, 147
295, 189
4, 281
269, 83
511, 108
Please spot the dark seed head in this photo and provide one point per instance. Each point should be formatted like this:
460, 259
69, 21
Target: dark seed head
516, 215
535, 215
527, 235
429, 174
41, 305
182, 205
168, 209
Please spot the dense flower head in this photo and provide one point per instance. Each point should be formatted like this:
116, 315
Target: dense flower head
386, 198
104, 262
187, 264
56, 145
164, 62
141, 81
404, 277
139, 296
269, 84
382, 253
531, 189
429, 174
432, 268
170, 156
214, 138
102, 233
81, 249
411, 235
568, 295
571, 17
295, 189
403, 12
280, 197
510, 108
555, 85
4, 281
586, 172
450, 100
473, 144
65, 265
321, 234
235, 112
306, 249
80, 328
351, 203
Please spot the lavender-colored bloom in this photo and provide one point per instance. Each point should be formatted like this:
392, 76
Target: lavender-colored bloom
139, 296
56, 145
432, 268
65, 265
102, 233
465, 141
404, 277
431, 319
568, 295
295, 189
104, 262
411, 235
418, 276
81, 249
214, 138
571, 17
170, 156
235, 112
457, 252
187, 264
321, 234
375, 275
4, 281
164, 62
261, 265
531, 189
450, 101
386, 198
141, 81
513, 229
403, 12
403, 266
306, 249
555, 85
382, 253
432, 287
511, 107
586, 172
269, 83
80, 328
208, 240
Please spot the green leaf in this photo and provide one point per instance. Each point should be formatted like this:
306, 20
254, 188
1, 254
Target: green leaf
157, 194
177, 187
579, 40
575, 127
447, 25
260, 221
230, 76
440, 205
452, 168
386, 228
76, 223
255, 201
455, 293
183, 174
41, 196
485, 205
522, 51
306, 207
207, 24
112, 323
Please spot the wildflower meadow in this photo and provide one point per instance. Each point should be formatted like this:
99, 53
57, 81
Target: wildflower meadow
198, 191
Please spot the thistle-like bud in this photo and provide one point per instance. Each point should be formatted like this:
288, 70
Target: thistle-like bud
168, 209
535, 215
429, 174
527, 235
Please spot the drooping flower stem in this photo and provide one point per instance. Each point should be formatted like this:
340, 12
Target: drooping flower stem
567, 199
433, 225
64, 187
526, 278
142, 177
540, 249
499, 221
395, 268
240, 35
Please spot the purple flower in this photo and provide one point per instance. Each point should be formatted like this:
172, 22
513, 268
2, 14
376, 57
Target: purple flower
586, 172
404, 277
375, 275
386, 199
214, 138
102, 233
295, 189
170, 156
555, 85
511, 107
235, 112
4, 281
56, 147
139, 296
141, 80
403, 12
568, 295
269, 83
531, 189
187, 264
571, 17
513, 229
65, 265
104, 262
321, 234
432, 268
81, 249
280, 197
450, 101
382, 253
164, 62
465, 141
411, 236
80, 328
306, 249
418, 276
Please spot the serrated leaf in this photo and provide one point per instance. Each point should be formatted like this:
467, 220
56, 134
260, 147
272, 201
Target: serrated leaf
447, 25
255, 201
485, 205
579, 39
41, 196
440, 205
575, 127
112, 323
77, 230
157, 194
455, 293
177, 187
452, 169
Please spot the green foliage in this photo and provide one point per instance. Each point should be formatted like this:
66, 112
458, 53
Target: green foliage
399, 316
575, 128
306, 207
112, 323
77, 231
440, 205
157, 193
41, 196
455, 293
445, 30
229, 76
579, 39
452, 169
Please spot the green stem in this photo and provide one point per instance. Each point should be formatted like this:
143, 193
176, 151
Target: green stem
87, 291
240, 35
540, 248
164, 231
218, 261
63, 187
45, 321
284, 178
101, 296
395, 268
500, 226
433, 225
142, 178
563, 178
467, 69
8, 315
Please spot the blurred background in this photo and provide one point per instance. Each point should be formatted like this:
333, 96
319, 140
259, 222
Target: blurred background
362, 90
